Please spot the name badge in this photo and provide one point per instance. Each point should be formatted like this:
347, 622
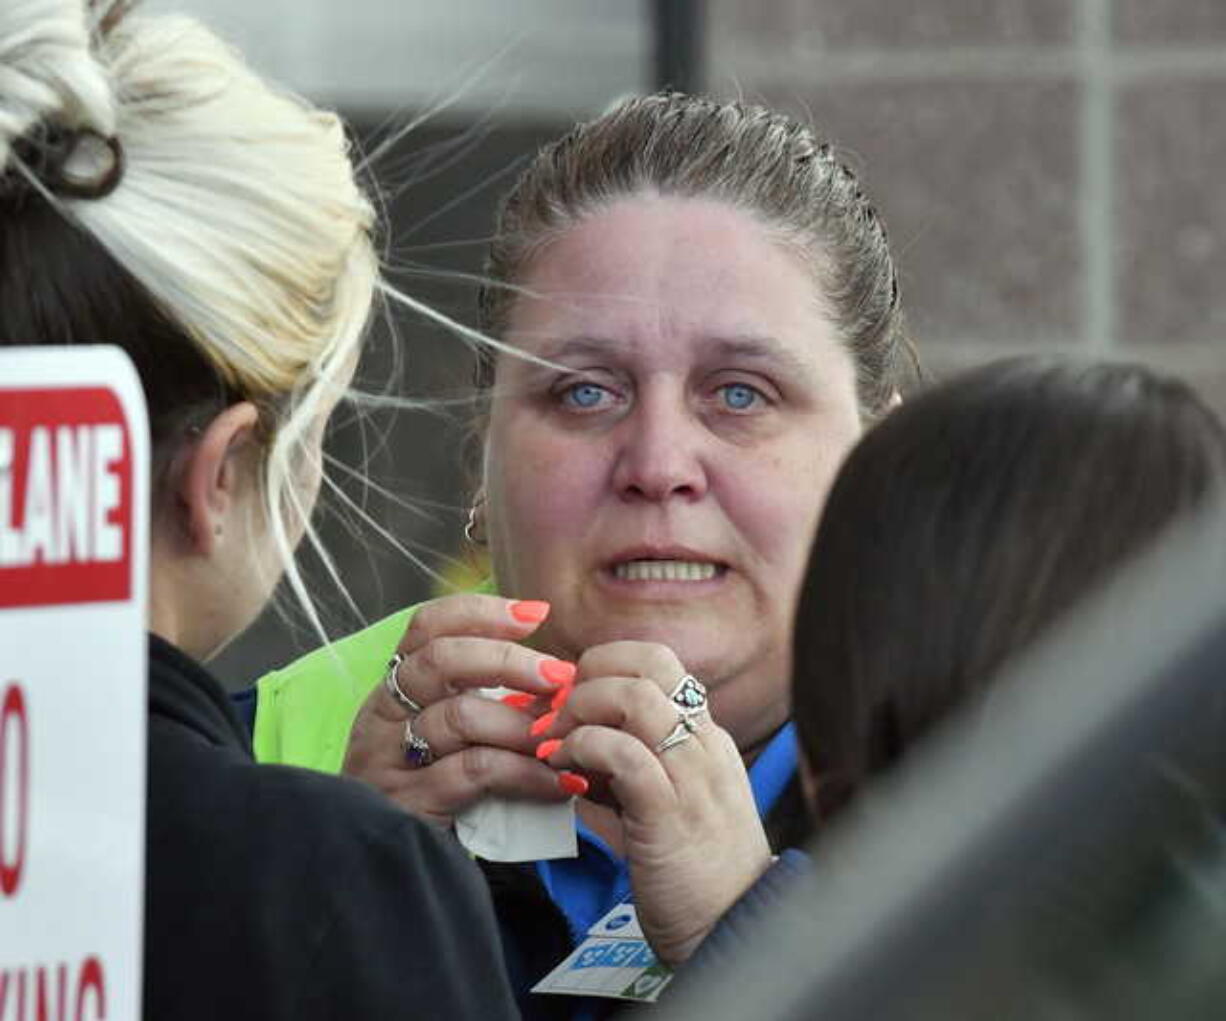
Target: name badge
614, 961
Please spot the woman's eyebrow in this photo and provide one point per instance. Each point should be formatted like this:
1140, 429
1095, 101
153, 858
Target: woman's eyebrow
558, 353
758, 348
748, 348
578, 347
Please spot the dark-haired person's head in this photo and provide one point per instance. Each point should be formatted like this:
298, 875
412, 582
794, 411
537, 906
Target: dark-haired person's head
965, 524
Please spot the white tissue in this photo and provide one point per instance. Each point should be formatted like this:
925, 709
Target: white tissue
499, 829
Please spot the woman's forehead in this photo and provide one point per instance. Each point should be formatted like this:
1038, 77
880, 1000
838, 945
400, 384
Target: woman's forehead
649, 274
639, 237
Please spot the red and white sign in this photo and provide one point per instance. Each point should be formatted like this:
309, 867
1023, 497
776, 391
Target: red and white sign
74, 540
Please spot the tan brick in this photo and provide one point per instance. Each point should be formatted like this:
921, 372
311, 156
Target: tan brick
1171, 212
977, 182
1198, 22
890, 24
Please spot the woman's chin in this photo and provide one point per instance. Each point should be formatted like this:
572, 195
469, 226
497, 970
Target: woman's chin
703, 649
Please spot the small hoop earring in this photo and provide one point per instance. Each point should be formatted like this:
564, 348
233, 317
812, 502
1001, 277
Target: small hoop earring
474, 530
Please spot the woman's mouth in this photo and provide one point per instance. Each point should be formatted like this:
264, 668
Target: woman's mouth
666, 570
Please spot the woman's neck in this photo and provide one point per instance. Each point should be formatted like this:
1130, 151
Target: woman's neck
191, 623
605, 823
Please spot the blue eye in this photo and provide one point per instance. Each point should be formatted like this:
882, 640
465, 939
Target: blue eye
583, 395
740, 396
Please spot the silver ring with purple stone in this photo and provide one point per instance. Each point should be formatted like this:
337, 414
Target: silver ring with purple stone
417, 751
689, 697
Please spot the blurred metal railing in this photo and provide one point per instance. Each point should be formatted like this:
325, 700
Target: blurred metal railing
679, 44
1056, 852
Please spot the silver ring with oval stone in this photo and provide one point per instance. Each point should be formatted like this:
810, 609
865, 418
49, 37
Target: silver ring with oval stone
689, 697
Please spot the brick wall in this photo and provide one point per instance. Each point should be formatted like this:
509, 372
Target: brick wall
1051, 171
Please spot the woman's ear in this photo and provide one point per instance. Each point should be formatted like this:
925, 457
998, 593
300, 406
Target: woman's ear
212, 475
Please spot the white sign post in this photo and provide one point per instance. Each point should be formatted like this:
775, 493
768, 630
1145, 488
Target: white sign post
74, 541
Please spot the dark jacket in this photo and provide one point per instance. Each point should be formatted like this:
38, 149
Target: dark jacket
275, 892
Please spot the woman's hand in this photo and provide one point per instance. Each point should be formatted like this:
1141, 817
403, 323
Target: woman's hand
693, 839
452, 647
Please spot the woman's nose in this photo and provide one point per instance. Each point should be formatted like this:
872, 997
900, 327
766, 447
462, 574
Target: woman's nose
662, 453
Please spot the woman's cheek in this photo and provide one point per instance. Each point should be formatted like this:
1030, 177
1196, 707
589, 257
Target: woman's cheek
540, 493
782, 516
562, 475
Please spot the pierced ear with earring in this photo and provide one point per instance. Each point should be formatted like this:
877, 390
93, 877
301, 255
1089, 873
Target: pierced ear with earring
474, 528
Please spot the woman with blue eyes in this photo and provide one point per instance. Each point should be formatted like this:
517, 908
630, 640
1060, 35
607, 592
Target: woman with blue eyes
712, 314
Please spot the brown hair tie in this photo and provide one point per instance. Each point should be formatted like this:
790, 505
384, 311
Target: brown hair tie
81, 163
107, 158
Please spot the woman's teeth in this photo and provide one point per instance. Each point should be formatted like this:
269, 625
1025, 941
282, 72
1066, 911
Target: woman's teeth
664, 570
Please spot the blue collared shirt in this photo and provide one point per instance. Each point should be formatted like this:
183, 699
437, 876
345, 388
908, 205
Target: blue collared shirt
592, 884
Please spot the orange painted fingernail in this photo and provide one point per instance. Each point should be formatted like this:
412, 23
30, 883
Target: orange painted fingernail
547, 748
542, 724
518, 700
530, 611
573, 784
557, 671
560, 698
